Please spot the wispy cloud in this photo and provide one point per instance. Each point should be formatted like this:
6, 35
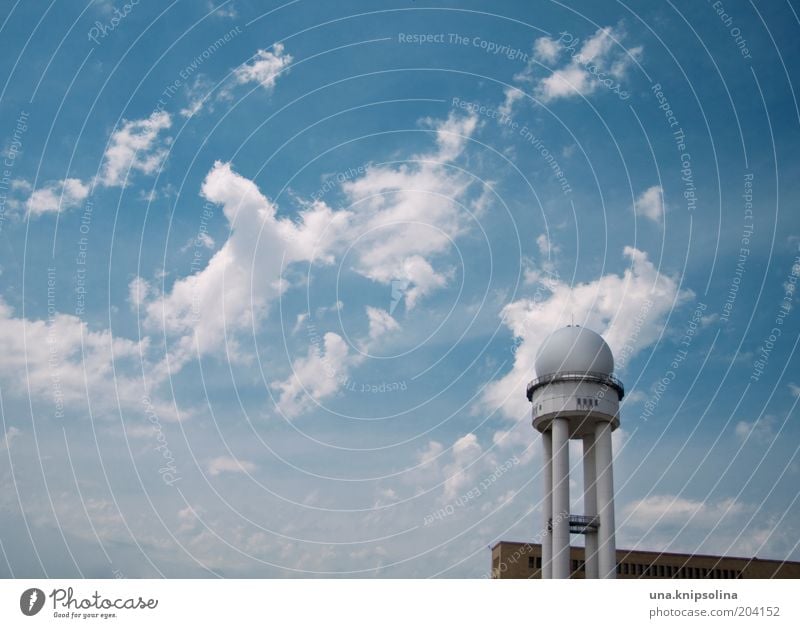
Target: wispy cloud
265, 67
227, 464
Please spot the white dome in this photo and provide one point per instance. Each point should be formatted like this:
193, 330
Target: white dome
574, 349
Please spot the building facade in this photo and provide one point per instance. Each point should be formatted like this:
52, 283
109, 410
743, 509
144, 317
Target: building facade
524, 560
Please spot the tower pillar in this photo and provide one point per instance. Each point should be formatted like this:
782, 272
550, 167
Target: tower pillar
547, 507
590, 503
560, 525
606, 543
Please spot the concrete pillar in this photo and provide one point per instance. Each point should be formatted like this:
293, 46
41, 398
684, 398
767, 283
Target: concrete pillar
560, 429
606, 544
590, 503
547, 506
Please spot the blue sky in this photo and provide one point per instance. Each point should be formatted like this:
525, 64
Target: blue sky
273, 277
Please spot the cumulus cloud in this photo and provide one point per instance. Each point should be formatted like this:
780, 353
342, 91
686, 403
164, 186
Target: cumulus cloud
456, 468
66, 364
380, 323
409, 214
57, 196
461, 471
546, 49
265, 67
545, 246
403, 217
600, 60
136, 145
224, 297
650, 203
612, 305
316, 376
226, 464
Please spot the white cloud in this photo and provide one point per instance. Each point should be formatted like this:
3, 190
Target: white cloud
224, 10
461, 470
546, 49
430, 454
226, 464
57, 196
672, 510
511, 96
571, 80
762, 430
66, 365
11, 433
452, 136
609, 305
316, 376
198, 95
205, 240
598, 61
135, 146
402, 217
409, 214
265, 67
138, 292
545, 246
380, 322
650, 203
225, 298
795, 390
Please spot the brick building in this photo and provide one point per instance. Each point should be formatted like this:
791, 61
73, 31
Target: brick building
524, 560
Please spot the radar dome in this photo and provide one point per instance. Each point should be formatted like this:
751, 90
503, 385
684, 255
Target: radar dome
574, 349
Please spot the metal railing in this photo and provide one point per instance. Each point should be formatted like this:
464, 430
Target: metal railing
576, 376
579, 524
583, 524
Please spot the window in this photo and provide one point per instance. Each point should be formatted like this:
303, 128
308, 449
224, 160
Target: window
531, 562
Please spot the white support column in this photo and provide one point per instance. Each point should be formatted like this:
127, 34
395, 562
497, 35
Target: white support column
547, 506
560, 429
606, 550
590, 503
